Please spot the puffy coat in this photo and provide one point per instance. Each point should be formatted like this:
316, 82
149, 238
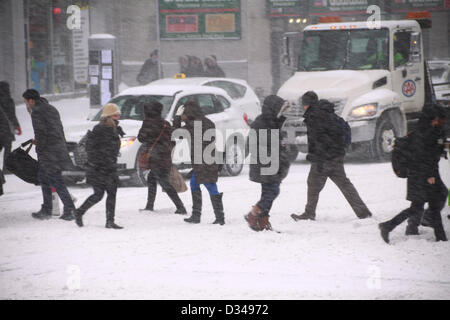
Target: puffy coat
102, 146
268, 120
51, 146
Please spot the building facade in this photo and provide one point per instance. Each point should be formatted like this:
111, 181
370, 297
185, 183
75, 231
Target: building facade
44, 42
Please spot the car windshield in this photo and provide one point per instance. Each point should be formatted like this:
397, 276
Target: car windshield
132, 107
360, 49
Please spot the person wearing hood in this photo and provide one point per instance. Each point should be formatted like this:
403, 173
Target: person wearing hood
150, 70
103, 146
156, 133
195, 68
11, 126
424, 184
52, 153
212, 68
271, 173
203, 172
326, 153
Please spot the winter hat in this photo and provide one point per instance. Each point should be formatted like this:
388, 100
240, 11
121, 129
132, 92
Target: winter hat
31, 94
109, 110
153, 109
272, 105
309, 98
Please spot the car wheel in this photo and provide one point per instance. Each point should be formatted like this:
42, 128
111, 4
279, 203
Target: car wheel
383, 143
234, 158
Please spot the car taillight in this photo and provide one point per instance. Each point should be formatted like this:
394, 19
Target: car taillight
246, 118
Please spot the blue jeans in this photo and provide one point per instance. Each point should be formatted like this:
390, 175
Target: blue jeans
269, 192
56, 181
211, 187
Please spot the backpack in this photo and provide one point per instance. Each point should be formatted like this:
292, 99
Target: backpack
344, 132
402, 155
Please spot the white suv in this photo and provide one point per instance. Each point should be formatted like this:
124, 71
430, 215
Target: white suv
217, 105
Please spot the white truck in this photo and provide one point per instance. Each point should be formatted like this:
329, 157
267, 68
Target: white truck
376, 77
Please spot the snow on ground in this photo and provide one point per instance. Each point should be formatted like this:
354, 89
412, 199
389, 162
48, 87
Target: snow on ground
159, 256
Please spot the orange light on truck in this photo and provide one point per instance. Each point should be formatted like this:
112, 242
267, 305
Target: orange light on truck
418, 15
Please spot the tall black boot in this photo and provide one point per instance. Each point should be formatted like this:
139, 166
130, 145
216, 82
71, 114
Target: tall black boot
151, 195
196, 207
217, 204
110, 221
173, 195
439, 231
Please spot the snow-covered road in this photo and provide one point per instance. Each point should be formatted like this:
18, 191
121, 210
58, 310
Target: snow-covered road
159, 256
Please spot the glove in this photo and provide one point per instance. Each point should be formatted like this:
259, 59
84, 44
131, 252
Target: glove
286, 105
18, 131
180, 111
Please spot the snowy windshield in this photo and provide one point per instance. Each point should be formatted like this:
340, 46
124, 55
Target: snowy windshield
132, 107
344, 49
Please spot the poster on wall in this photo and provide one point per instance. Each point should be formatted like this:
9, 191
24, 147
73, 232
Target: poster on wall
80, 48
284, 8
339, 7
200, 19
415, 5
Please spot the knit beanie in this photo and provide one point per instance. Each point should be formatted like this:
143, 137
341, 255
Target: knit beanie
109, 110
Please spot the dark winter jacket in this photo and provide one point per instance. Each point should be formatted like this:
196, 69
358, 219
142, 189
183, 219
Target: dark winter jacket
161, 155
212, 69
426, 154
204, 173
323, 133
9, 109
148, 73
51, 147
6, 136
268, 120
102, 146
195, 68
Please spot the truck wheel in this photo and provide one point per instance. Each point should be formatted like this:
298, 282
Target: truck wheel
383, 143
234, 158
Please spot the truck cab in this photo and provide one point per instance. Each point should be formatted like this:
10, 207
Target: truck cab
375, 77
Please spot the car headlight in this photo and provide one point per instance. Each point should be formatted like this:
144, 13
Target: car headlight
127, 141
366, 110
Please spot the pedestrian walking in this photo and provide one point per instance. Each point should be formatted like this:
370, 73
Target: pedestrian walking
11, 126
212, 69
326, 151
150, 69
265, 125
156, 134
202, 172
424, 184
103, 146
52, 153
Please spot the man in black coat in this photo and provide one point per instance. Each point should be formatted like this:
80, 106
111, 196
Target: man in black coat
270, 173
150, 70
11, 126
326, 153
424, 183
51, 149
203, 172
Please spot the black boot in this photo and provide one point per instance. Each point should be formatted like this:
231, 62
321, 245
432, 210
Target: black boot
151, 194
110, 221
217, 204
79, 217
173, 195
439, 231
427, 219
412, 230
385, 229
304, 216
42, 214
68, 215
196, 207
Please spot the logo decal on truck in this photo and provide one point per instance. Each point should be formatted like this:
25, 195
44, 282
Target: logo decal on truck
409, 88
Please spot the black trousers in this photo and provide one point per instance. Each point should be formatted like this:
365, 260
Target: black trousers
333, 169
6, 152
99, 190
161, 176
269, 192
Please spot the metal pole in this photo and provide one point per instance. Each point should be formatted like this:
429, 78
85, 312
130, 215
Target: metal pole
158, 39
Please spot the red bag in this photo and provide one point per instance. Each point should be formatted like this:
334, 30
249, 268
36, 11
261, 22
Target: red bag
144, 156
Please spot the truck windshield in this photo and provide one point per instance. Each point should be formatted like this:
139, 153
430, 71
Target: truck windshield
358, 49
